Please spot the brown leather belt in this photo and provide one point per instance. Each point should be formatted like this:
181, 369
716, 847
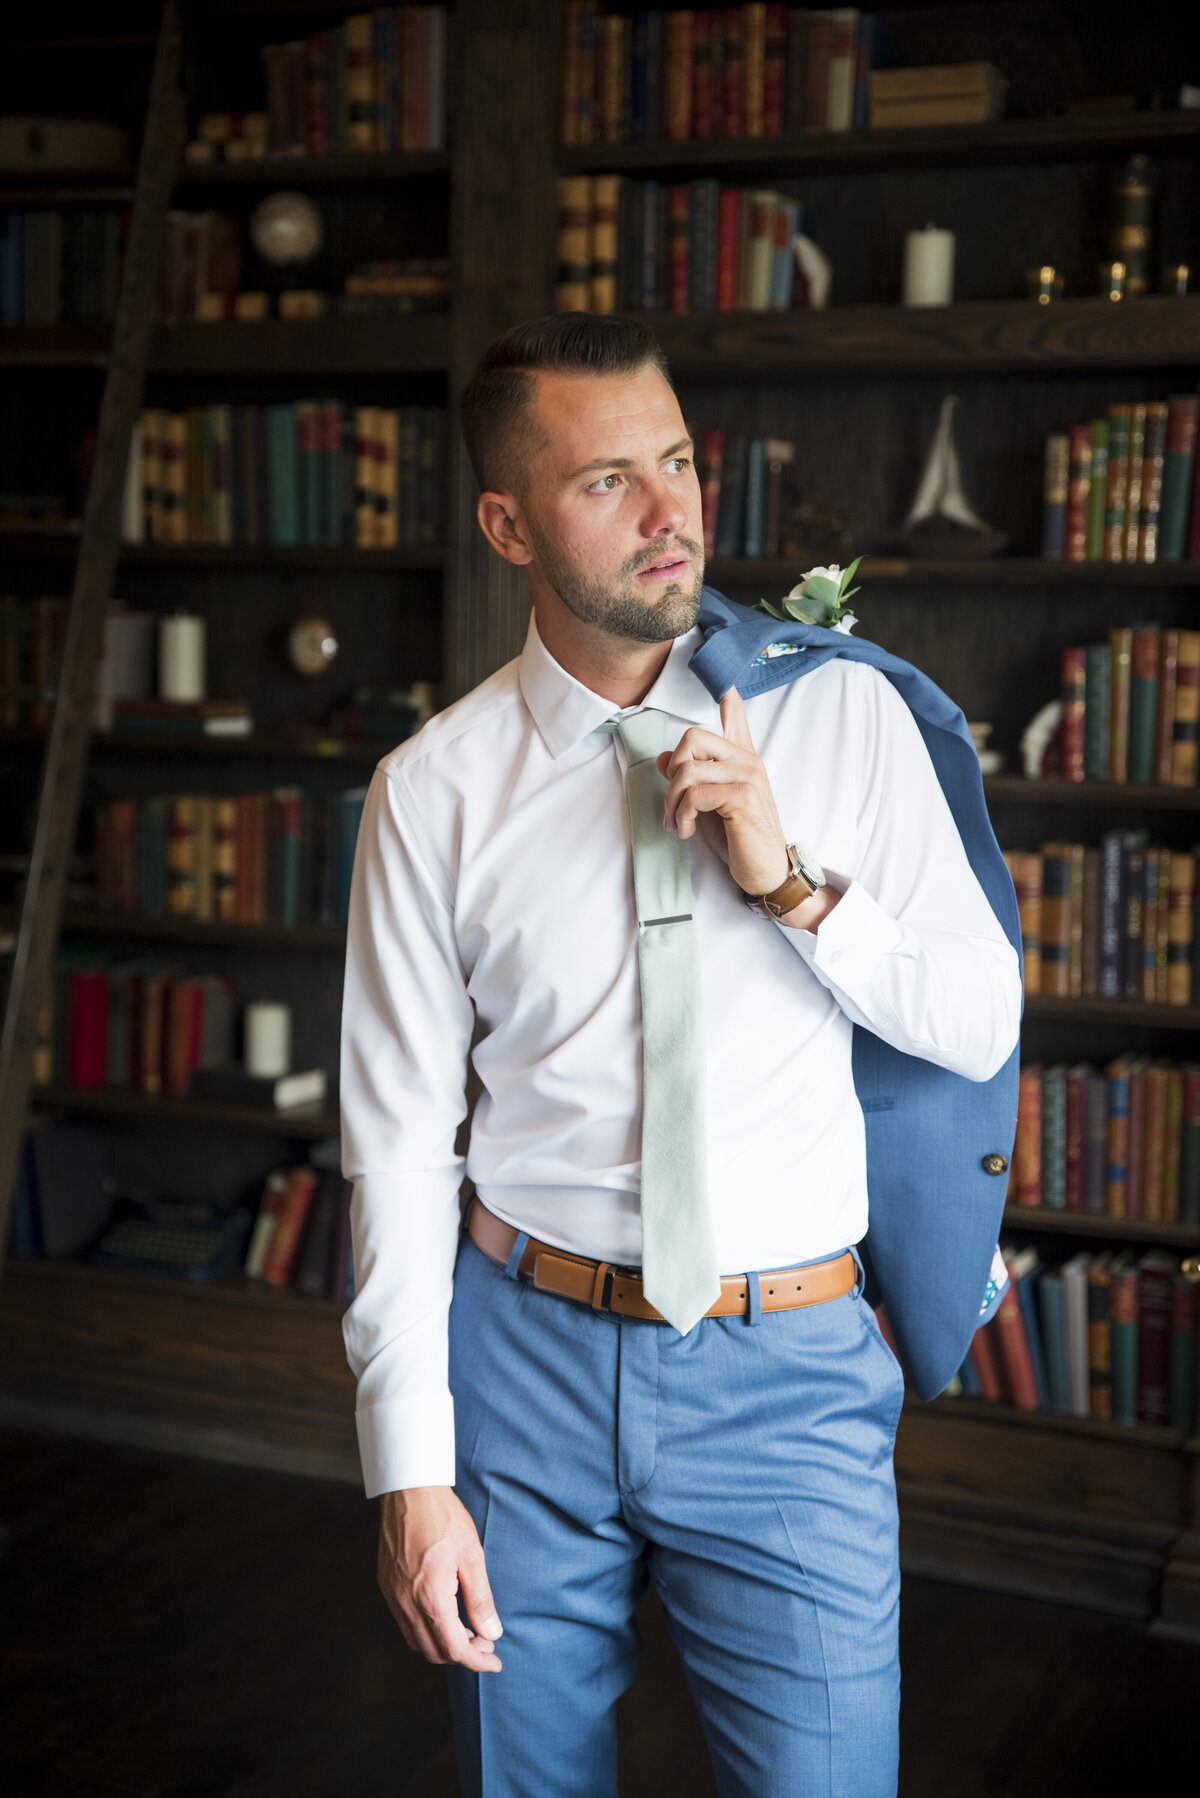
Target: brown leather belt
605, 1286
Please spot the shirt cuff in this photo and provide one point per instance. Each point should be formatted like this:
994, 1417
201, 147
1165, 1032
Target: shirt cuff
406, 1442
857, 929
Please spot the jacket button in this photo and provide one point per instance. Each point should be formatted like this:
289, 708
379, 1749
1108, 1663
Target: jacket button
995, 1164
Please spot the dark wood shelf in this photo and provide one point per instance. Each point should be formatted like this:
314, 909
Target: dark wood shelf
94, 922
298, 1120
62, 188
311, 171
320, 749
54, 346
302, 557
231, 1288
974, 337
1091, 1223
327, 346
1115, 1011
1091, 792
1146, 1435
1000, 571
1061, 139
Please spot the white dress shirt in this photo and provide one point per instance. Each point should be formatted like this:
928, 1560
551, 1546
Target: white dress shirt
492, 899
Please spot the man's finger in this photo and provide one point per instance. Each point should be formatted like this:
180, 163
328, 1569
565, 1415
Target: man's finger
734, 721
455, 1643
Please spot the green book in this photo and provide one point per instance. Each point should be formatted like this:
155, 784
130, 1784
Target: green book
1123, 1335
1117, 482
283, 476
1097, 679
1143, 701
1177, 476
1052, 1313
1054, 1136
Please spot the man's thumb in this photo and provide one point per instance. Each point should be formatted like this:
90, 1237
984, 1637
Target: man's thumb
479, 1603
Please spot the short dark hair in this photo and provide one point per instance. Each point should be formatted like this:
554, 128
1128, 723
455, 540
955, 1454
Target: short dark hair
498, 399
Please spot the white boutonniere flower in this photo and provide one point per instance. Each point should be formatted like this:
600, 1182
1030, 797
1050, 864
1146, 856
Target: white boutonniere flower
819, 597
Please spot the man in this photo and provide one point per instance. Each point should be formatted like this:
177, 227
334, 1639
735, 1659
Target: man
667, 1101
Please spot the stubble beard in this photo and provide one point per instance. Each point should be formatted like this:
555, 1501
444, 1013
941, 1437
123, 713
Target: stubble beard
620, 609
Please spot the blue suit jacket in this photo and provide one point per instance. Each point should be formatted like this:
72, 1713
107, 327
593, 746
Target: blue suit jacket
935, 1211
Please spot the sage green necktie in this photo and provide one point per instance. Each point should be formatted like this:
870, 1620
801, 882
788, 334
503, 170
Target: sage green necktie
679, 1259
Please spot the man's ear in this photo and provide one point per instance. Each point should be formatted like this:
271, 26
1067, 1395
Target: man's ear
500, 520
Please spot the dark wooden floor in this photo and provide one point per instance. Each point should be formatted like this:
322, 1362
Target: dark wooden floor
180, 1627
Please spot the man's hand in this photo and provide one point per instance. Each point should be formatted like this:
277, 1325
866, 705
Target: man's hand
428, 1548
718, 785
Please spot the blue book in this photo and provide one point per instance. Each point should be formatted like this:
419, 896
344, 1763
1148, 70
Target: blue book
969, 1379
1097, 666
783, 261
348, 816
1052, 1307
1026, 1284
756, 495
1054, 1136
732, 508
702, 259
152, 856
648, 295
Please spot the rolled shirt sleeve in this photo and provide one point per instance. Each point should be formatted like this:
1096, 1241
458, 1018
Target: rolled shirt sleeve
405, 1040
912, 950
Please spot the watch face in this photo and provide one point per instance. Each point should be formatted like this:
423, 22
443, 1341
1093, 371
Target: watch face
312, 645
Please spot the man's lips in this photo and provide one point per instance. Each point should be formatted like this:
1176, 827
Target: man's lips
668, 566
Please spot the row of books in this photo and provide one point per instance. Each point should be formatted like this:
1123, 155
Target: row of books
685, 246
725, 72
1131, 706
376, 82
283, 857
202, 268
61, 268
1123, 488
301, 1233
305, 472
747, 485
1104, 1334
32, 634
1115, 922
1118, 1141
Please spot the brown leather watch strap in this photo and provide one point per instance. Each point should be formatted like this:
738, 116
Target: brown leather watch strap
606, 1287
793, 892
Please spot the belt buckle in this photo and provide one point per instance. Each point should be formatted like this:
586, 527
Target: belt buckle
602, 1287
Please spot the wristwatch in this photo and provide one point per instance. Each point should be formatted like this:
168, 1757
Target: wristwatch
804, 878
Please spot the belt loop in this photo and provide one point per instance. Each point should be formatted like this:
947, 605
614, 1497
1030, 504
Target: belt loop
754, 1294
861, 1277
514, 1259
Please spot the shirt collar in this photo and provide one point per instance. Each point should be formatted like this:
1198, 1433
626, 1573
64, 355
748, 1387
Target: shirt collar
565, 711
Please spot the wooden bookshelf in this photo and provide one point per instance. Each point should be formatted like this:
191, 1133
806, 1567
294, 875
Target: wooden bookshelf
1114, 1011
419, 343
381, 170
1118, 794
971, 337
1084, 1223
1012, 141
781, 573
302, 1121
91, 921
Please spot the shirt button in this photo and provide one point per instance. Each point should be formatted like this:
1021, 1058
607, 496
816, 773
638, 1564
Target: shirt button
995, 1164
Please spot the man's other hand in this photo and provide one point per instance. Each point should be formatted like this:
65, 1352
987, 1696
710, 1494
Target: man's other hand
428, 1548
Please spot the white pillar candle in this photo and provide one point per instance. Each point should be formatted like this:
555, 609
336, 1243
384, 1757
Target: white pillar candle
928, 267
268, 1048
181, 657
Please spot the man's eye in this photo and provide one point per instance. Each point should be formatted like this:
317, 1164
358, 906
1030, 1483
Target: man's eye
601, 485
680, 461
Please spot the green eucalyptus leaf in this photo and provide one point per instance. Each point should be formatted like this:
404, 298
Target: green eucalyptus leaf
821, 588
849, 593
847, 576
764, 605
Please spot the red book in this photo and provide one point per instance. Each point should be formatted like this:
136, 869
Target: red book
727, 246
1164, 726
1079, 486
1074, 690
679, 243
1155, 1270
982, 1353
1135, 1143
734, 73
87, 1027
712, 453
754, 28
1028, 1147
316, 87
1014, 1350
818, 48
774, 71
705, 122
293, 1215
1075, 1162
678, 58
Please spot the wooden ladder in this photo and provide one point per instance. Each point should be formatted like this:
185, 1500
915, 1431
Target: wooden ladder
65, 757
